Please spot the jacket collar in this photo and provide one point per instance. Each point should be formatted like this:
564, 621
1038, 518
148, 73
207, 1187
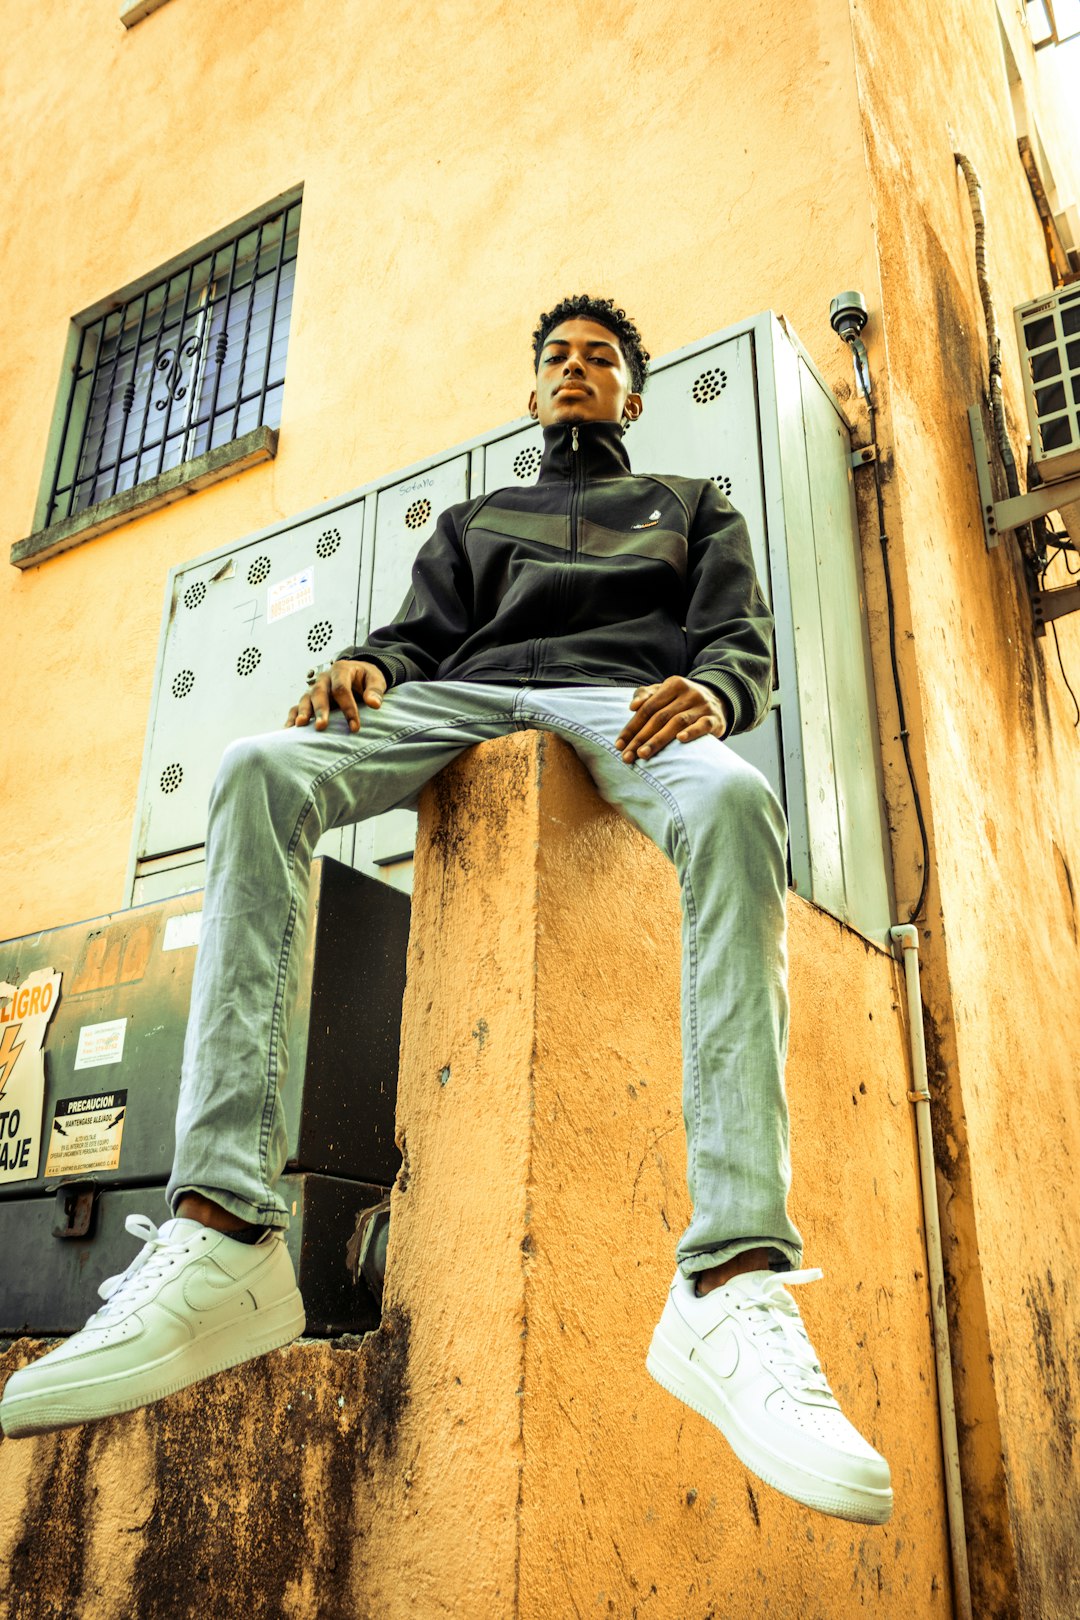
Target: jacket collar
600, 453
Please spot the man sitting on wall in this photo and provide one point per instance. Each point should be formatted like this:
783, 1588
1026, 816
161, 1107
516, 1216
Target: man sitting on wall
622, 613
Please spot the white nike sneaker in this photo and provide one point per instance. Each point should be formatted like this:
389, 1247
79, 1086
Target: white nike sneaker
740, 1356
192, 1302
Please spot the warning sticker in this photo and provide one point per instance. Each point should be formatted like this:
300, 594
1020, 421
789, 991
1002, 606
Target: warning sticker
86, 1133
24, 1013
100, 1044
290, 595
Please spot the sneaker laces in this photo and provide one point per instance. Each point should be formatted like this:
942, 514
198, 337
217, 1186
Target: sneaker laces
775, 1317
148, 1265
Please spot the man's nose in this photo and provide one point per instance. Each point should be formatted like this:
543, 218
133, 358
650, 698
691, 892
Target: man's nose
572, 366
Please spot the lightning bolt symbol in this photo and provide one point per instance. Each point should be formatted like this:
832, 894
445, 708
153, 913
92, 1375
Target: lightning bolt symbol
10, 1047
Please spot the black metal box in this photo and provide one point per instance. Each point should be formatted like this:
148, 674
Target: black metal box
113, 1045
49, 1284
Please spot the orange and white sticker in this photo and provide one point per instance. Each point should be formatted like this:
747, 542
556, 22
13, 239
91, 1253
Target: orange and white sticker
25, 1011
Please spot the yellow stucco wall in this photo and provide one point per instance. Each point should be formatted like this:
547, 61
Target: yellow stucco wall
454, 186
498, 1450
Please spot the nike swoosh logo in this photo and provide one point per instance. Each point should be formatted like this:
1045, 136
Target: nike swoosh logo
208, 1293
723, 1356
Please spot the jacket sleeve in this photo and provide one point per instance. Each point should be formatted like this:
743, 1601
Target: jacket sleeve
434, 618
729, 628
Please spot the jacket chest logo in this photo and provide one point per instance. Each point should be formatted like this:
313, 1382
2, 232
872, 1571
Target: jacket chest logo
650, 522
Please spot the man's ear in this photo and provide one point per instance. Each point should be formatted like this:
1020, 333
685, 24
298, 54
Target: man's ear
532, 405
633, 406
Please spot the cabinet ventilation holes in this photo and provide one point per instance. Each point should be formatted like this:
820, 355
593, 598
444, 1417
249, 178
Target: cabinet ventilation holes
195, 593
527, 462
723, 483
171, 778
258, 571
319, 635
710, 385
418, 514
183, 683
248, 661
327, 543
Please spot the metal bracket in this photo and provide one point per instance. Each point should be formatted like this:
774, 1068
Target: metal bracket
76, 1202
1001, 517
863, 456
982, 472
1047, 605
365, 1254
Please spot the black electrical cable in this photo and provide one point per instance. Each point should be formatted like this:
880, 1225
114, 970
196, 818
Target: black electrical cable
1063, 546
884, 540
1061, 666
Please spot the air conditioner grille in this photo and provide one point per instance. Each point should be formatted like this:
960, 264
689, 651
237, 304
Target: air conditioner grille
1048, 333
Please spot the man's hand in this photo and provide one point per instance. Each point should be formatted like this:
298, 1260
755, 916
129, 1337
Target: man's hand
346, 681
677, 707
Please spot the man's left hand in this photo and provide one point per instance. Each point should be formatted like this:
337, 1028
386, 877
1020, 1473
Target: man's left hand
677, 707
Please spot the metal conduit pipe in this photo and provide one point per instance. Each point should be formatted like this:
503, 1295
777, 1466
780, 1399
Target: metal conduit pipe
908, 938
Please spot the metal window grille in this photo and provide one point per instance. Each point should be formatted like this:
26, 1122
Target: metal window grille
193, 362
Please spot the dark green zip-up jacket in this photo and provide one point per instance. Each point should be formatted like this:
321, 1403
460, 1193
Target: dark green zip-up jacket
594, 575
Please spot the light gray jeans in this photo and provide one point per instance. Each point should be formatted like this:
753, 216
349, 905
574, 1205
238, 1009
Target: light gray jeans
712, 814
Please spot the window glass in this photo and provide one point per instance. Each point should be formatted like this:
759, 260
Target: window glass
190, 364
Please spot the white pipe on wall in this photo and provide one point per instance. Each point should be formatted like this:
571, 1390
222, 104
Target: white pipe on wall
907, 936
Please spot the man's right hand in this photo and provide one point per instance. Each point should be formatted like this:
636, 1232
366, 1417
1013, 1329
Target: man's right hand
339, 688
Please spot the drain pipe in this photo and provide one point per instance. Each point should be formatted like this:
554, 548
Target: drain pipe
907, 937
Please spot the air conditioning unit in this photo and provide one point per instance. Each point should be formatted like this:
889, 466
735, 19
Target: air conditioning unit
1048, 333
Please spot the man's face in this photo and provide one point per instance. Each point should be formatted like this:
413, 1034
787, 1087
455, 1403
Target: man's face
582, 377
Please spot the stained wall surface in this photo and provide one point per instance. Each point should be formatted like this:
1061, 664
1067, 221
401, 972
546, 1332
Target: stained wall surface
998, 759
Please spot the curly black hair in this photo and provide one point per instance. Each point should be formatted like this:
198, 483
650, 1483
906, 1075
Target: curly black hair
606, 313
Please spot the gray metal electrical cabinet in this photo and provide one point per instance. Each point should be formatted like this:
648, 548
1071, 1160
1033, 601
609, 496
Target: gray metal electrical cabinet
744, 407
406, 515
241, 627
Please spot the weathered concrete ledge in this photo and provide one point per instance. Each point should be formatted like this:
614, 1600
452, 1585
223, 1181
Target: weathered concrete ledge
249, 1495
497, 1450
224, 461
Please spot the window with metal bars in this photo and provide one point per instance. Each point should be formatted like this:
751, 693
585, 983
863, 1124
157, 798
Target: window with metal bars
195, 361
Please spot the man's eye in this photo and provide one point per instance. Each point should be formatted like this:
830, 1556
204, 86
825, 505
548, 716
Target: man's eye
602, 360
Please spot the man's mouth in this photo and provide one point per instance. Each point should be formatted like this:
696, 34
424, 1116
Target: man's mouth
573, 387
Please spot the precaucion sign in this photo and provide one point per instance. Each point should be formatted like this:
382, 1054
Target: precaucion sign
25, 1011
86, 1133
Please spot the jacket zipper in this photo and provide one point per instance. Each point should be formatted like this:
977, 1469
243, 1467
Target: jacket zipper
577, 479
575, 493
564, 594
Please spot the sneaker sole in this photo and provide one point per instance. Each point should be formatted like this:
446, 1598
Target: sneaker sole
863, 1505
65, 1408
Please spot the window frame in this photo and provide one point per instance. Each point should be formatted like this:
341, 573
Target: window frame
56, 530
